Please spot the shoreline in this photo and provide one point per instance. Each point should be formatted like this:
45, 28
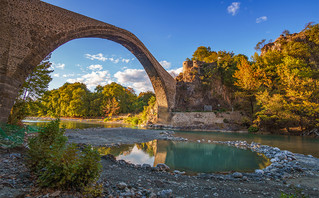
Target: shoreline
170, 127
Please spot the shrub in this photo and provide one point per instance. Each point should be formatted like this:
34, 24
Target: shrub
50, 141
134, 120
59, 165
253, 128
245, 121
144, 116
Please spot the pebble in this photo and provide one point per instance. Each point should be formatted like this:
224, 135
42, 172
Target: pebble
165, 193
121, 185
146, 166
258, 171
237, 175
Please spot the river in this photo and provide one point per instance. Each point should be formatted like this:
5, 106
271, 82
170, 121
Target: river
296, 144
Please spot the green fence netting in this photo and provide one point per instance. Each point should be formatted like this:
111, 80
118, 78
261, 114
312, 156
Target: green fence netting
12, 135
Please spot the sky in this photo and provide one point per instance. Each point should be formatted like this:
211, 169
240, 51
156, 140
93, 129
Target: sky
171, 30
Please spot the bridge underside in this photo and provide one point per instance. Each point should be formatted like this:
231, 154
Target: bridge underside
31, 29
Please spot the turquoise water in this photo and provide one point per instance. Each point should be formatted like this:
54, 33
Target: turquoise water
189, 156
296, 144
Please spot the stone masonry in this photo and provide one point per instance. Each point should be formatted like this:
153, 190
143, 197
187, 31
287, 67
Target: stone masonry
32, 29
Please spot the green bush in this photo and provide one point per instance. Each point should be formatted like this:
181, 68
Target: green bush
58, 165
253, 128
134, 120
144, 116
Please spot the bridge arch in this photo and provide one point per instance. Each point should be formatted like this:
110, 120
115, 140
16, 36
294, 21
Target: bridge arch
30, 41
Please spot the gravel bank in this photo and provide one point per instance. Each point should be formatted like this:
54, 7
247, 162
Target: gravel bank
121, 179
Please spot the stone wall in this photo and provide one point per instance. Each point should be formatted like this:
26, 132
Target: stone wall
225, 120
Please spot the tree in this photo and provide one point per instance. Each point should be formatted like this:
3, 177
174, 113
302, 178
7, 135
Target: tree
35, 85
201, 53
248, 79
111, 108
142, 100
290, 97
260, 45
124, 96
37, 82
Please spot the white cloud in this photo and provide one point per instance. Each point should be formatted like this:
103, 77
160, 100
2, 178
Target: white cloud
233, 8
95, 67
125, 60
57, 65
175, 72
93, 79
67, 75
56, 75
135, 78
261, 19
114, 60
101, 57
98, 56
165, 64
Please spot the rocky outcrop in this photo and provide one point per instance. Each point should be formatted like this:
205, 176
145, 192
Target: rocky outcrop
194, 94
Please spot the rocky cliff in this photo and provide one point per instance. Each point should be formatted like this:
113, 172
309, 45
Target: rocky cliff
193, 93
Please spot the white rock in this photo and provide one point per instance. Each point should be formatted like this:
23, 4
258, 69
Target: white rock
258, 171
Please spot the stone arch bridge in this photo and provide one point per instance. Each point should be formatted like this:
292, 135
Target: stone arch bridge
31, 29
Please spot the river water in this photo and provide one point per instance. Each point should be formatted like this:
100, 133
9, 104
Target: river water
194, 157
190, 157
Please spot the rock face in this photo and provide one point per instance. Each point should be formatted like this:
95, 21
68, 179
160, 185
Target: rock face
193, 95
24, 43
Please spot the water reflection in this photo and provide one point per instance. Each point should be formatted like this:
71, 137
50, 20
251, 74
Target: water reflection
296, 144
188, 156
77, 124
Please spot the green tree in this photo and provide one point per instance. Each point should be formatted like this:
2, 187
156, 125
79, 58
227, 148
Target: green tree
201, 53
35, 85
124, 96
142, 101
290, 95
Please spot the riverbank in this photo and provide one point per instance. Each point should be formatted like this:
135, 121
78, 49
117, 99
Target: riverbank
120, 178
225, 127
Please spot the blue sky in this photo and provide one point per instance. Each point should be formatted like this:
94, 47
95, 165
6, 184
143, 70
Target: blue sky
171, 30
